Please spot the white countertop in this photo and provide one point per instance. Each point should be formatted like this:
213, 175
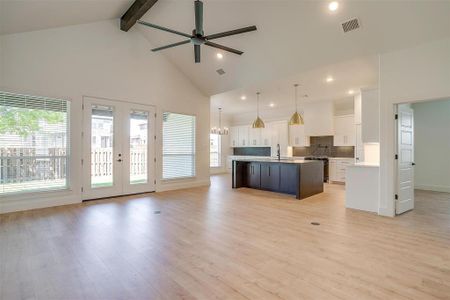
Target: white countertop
366, 165
341, 158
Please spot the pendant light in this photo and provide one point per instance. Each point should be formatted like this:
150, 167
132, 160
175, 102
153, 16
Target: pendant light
296, 118
258, 122
220, 130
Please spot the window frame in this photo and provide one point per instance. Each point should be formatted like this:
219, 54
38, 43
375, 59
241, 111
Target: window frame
182, 178
68, 184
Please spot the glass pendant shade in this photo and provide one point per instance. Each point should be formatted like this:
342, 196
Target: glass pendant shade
258, 123
296, 119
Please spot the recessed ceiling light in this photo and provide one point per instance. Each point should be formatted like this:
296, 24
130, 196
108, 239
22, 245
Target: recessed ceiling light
219, 55
333, 6
351, 92
243, 97
272, 104
330, 79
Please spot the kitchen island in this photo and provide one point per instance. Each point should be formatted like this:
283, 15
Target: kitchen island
302, 178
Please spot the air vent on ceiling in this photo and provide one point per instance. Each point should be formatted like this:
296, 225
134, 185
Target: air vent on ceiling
220, 71
350, 25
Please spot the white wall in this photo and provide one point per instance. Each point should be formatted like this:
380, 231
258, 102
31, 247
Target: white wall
432, 145
415, 74
99, 60
225, 142
336, 108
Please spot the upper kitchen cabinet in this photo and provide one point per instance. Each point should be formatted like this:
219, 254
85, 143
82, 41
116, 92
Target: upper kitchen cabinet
367, 113
345, 131
234, 136
239, 136
319, 118
243, 132
266, 136
297, 136
370, 113
254, 136
279, 133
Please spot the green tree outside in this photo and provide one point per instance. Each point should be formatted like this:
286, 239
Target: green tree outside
23, 122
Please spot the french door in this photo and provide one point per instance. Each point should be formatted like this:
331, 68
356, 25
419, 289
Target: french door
118, 148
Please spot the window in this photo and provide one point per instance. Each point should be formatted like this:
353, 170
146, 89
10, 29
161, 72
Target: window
178, 146
214, 150
34, 135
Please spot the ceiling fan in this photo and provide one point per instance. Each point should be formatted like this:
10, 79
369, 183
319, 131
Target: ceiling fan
197, 37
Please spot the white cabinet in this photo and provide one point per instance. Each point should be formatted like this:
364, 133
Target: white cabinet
319, 118
266, 136
239, 136
254, 136
279, 133
370, 114
243, 136
234, 136
345, 131
297, 136
229, 164
338, 168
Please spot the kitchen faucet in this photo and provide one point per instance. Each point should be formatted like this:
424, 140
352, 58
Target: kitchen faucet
278, 152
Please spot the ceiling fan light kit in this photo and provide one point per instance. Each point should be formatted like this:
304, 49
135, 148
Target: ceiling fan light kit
198, 38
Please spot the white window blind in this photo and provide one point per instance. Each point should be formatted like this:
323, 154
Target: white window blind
214, 150
33, 143
178, 146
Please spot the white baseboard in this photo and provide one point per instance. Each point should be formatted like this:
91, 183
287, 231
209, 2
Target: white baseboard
435, 188
386, 212
27, 204
177, 185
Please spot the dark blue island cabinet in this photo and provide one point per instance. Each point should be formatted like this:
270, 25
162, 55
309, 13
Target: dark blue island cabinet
296, 177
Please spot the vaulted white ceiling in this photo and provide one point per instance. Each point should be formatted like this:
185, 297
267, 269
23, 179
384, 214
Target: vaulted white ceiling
293, 36
29, 15
352, 75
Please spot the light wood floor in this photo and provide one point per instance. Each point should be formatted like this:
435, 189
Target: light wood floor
216, 242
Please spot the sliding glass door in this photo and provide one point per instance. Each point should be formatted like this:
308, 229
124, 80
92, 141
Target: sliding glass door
118, 155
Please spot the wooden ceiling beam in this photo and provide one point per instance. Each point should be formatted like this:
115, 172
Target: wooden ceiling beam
134, 13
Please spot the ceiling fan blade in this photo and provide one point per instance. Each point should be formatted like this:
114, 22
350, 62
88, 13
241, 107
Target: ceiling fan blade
198, 17
231, 32
164, 29
223, 48
171, 45
197, 53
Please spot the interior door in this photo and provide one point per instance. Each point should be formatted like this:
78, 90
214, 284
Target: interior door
405, 159
118, 148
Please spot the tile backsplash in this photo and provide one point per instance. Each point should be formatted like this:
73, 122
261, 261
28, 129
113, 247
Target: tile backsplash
252, 151
323, 146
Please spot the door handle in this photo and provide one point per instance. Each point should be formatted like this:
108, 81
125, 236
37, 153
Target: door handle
269, 171
413, 164
119, 160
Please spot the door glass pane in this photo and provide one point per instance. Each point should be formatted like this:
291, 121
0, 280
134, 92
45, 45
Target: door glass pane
138, 147
102, 146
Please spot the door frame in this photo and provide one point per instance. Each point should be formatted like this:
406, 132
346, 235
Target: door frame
123, 131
